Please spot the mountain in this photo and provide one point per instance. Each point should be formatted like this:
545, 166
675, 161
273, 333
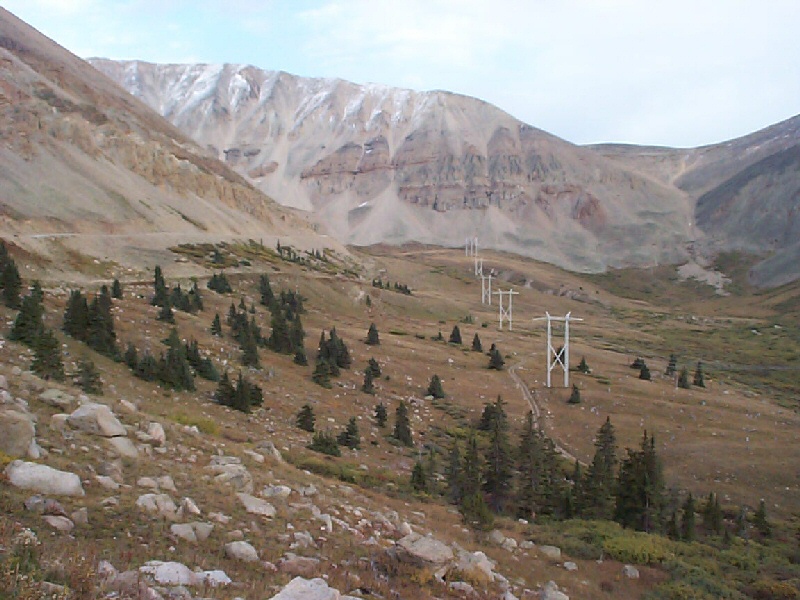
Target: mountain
747, 192
379, 164
85, 165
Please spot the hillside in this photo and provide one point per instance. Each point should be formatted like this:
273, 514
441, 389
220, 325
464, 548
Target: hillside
84, 165
383, 165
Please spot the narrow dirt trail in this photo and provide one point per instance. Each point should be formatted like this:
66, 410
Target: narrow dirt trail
531, 397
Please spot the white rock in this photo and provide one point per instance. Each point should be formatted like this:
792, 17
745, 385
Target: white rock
570, 566
630, 572
169, 573
202, 530
552, 552
269, 450
17, 431
475, 567
107, 482
300, 588
405, 529
526, 544
327, 522
158, 504
96, 419
423, 550
62, 524
156, 432
43, 479
80, 516
124, 447
509, 544
214, 578
58, 422
496, 537
242, 551
462, 586
256, 506
127, 406
183, 531
188, 507
259, 458
165, 482
147, 482
3, 382
276, 491
551, 592
57, 398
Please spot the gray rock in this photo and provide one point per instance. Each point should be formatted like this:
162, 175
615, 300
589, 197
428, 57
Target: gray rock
188, 507
276, 491
300, 588
111, 469
496, 537
256, 506
214, 578
147, 482
475, 567
183, 531
462, 587
58, 422
17, 432
298, 565
3, 382
44, 506
630, 572
169, 573
43, 479
165, 482
551, 592
106, 482
509, 544
424, 551
269, 450
551, 552
57, 398
405, 529
202, 530
96, 419
570, 566
80, 516
526, 544
62, 524
157, 434
160, 504
242, 551
124, 447
230, 471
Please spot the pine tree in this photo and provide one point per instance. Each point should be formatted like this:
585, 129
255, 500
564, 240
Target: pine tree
644, 372
322, 373
225, 392
325, 442
672, 366
712, 514
672, 530
174, 371
419, 480
131, 357
166, 314
471, 479
381, 414
368, 387
496, 359
455, 336
578, 493
147, 368
300, 357
699, 379
487, 417
100, 334
374, 368
89, 378
116, 289
598, 501
368, 301
28, 324
454, 474
760, 520
497, 478
306, 419
583, 367
402, 425
47, 361
350, 437
12, 284
683, 379
160, 288
435, 388
241, 395
476, 344
297, 334
265, 289
216, 326
250, 350
76, 316
640, 489
372, 335
575, 395
688, 519
540, 482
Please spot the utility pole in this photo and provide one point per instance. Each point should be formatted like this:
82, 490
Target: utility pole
558, 356
478, 267
486, 289
506, 313
471, 247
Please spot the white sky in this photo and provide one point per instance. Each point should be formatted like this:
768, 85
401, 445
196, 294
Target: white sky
676, 73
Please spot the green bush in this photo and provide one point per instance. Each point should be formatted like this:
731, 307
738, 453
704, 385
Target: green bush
639, 548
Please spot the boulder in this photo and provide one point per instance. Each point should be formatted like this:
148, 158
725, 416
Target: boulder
551, 592
43, 479
202, 531
630, 572
44, 506
242, 551
58, 422
214, 578
157, 434
551, 552
160, 504
509, 544
106, 482
496, 537
269, 450
57, 398
423, 551
62, 524
80, 516
188, 507
256, 506
300, 588
230, 471
165, 482
298, 565
124, 447
17, 431
183, 531
570, 566
276, 491
169, 573
475, 567
462, 587
96, 419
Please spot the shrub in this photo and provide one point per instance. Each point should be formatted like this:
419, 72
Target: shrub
638, 548
325, 443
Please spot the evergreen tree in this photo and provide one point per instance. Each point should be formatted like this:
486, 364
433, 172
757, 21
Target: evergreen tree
300, 357
265, 289
496, 359
644, 372
476, 344
322, 373
402, 425
306, 419
476, 512
419, 480
583, 367
575, 395
166, 314
497, 478
540, 483
455, 335
340, 351
637, 363
28, 325
225, 392
683, 379
160, 288
116, 289
100, 334
195, 299
368, 387
12, 284
372, 335
147, 368
250, 350
76, 316
368, 301
381, 414
598, 501
47, 361
578, 493
325, 442
672, 530
279, 338
712, 514
471, 480
174, 371
216, 326
640, 489
350, 437
89, 378
699, 379
487, 417
454, 474
297, 334
760, 520
374, 368
131, 356
688, 519
241, 395
672, 366
435, 388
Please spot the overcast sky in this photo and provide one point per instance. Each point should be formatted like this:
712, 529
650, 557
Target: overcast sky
676, 73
